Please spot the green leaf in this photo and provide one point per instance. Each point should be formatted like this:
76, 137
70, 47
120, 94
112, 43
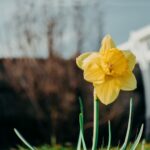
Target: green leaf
142, 145
81, 140
81, 131
129, 127
138, 138
109, 137
118, 145
23, 139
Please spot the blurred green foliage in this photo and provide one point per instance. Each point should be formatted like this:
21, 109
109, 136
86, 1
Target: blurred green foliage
59, 147
48, 147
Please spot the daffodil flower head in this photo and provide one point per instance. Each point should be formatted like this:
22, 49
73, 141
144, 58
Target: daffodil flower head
109, 70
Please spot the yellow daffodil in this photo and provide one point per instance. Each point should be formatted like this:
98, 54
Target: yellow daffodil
109, 70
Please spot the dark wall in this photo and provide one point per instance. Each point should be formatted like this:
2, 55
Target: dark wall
40, 99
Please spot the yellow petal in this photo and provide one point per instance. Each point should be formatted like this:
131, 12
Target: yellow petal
94, 58
108, 91
93, 73
107, 43
130, 58
81, 58
128, 82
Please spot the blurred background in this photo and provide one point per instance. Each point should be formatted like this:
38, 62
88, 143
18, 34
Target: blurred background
39, 81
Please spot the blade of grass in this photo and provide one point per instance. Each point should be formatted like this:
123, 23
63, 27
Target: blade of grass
124, 146
81, 131
81, 140
143, 144
109, 137
23, 139
138, 138
118, 145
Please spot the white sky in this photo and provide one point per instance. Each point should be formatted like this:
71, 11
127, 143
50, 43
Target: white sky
120, 18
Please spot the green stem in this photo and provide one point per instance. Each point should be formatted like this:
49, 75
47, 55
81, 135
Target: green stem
96, 124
